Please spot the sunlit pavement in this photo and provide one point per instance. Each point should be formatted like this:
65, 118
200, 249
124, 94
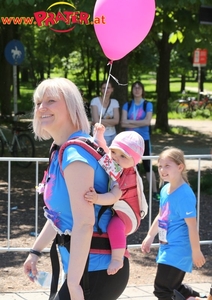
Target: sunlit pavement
131, 292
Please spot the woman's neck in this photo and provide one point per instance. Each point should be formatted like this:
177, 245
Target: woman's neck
138, 100
105, 102
62, 135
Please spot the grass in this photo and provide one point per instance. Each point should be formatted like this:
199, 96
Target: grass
25, 100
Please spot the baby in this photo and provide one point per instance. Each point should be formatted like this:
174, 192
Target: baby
126, 193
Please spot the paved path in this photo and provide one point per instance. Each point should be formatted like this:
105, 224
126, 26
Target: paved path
191, 145
203, 126
131, 292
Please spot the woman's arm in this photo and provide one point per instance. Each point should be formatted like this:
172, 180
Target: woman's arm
197, 256
79, 177
47, 234
45, 237
94, 114
135, 123
114, 121
105, 122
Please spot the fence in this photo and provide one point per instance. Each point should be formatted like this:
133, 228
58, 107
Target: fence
197, 158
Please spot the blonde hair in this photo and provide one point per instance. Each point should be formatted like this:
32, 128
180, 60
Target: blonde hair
177, 156
73, 99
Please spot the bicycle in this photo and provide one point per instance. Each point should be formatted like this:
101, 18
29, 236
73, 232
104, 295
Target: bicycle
21, 144
191, 104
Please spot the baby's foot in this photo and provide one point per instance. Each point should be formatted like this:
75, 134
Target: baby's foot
114, 266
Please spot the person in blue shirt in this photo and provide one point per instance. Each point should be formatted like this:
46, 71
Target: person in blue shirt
176, 227
59, 114
136, 117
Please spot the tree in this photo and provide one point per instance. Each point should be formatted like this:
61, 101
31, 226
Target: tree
171, 18
6, 34
173, 36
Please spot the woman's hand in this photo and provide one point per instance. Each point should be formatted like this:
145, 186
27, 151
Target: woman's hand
30, 266
45, 237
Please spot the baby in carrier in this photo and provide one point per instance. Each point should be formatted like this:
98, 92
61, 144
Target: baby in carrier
126, 192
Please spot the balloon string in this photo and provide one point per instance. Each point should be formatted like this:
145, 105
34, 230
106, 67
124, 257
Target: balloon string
103, 99
118, 81
109, 75
108, 79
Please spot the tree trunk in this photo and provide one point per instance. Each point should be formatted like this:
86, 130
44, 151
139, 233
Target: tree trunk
6, 79
163, 83
97, 68
183, 83
120, 72
202, 79
24, 75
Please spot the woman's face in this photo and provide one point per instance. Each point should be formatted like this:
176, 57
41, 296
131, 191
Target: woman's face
109, 89
137, 91
52, 113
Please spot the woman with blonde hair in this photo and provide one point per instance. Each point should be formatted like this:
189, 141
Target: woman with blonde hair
71, 222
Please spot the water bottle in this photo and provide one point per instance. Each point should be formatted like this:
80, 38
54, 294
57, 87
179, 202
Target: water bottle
43, 279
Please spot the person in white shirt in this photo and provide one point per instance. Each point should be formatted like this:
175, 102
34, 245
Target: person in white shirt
109, 108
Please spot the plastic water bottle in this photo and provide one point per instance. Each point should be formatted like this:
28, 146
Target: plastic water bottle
43, 279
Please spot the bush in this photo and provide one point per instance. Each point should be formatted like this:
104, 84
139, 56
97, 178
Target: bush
199, 113
205, 182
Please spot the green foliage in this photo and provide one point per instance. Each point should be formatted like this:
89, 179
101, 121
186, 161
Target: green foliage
180, 130
78, 55
177, 36
22, 2
25, 101
205, 182
199, 114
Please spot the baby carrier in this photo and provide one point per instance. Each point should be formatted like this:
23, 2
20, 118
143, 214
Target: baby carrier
124, 209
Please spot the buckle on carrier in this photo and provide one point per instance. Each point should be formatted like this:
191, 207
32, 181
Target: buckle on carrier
99, 243
63, 239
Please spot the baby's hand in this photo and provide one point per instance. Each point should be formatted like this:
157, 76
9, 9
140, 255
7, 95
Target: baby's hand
99, 128
91, 196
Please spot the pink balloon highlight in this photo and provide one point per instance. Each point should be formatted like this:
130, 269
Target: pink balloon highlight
127, 23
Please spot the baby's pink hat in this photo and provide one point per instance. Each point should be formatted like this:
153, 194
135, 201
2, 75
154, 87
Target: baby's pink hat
131, 143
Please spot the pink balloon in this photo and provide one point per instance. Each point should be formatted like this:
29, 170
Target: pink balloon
127, 23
